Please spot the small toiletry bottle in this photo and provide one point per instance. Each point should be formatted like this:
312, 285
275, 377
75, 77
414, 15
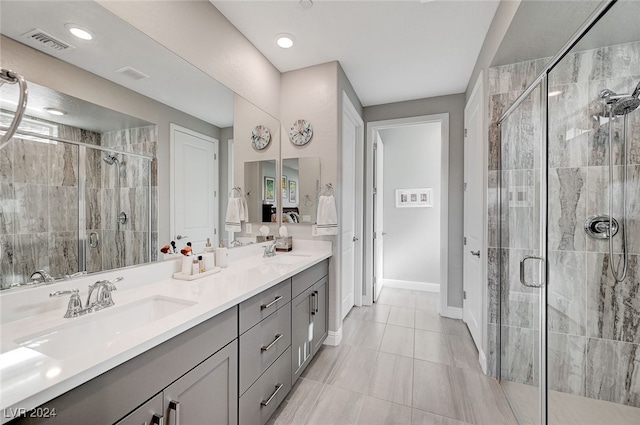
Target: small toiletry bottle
208, 247
195, 267
186, 265
209, 260
200, 264
222, 259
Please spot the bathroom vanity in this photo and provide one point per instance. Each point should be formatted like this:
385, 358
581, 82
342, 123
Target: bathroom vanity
224, 349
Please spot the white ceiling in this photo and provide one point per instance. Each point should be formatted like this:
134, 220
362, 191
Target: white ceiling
390, 50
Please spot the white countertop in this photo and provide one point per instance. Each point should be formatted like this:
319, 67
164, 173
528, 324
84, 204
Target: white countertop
29, 378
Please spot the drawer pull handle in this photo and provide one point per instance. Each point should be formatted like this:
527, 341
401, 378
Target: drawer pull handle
267, 401
157, 420
313, 303
316, 298
175, 406
266, 306
268, 347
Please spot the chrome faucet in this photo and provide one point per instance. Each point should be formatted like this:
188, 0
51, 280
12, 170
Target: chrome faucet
44, 277
235, 243
270, 250
103, 297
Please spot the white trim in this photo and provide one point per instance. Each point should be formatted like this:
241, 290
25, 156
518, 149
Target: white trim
334, 338
452, 313
411, 284
372, 129
349, 111
230, 180
172, 154
482, 359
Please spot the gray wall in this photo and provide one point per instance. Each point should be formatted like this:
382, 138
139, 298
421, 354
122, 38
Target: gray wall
412, 240
454, 105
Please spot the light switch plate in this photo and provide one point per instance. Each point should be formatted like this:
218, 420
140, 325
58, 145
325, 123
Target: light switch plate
306, 219
247, 228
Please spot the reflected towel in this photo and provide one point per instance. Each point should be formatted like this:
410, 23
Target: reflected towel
327, 223
232, 220
244, 209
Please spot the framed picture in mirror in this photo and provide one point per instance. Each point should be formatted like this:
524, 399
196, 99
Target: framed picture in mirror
269, 191
285, 191
293, 194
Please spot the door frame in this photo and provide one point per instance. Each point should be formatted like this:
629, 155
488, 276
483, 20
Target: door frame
372, 128
172, 190
349, 112
478, 94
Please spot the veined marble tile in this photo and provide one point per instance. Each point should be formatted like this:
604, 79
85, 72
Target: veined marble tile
515, 77
520, 305
567, 204
6, 261
93, 208
108, 209
136, 246
598, 203
568, 125
521, 201
573, 68
135, 203
63, 209
95, 167
612, 308
612, 371
493, 213
30, 253
518, 361
493, 285
7, 208
522, 135
633, 209
63, 168
63, 253
566, 363
113, 249
32, 208
155, 249
566, 292
30, 162
492, 348
6, 162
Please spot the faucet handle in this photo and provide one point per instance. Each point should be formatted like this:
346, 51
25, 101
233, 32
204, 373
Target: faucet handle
65, 292
74, 308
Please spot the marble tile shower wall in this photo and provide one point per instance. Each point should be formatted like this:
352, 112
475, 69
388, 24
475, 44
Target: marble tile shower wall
593, 322
39, 206
125, 245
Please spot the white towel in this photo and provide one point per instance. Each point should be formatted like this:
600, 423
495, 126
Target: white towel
327, 221
244, 209
232, 220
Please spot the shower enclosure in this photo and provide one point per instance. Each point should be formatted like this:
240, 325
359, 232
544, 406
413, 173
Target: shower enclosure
73, 199
569, 209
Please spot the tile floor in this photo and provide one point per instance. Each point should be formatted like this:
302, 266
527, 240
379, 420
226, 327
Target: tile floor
399, 363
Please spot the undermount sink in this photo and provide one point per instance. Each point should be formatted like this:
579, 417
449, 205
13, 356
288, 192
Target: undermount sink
288, 259
103, 328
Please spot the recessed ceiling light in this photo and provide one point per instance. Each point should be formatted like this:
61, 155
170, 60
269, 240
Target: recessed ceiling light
79, 32
54, 111
306, 4
555, 93
285, 40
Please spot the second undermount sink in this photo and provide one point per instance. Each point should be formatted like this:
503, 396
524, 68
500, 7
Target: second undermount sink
288, 258
103, 328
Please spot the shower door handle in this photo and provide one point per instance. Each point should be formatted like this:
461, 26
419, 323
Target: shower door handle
522, 278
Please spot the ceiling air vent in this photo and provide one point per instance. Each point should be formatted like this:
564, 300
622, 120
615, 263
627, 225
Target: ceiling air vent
42, 38
132, 73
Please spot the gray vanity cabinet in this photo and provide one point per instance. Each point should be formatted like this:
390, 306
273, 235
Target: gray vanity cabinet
309, 316
149, 413
208, 394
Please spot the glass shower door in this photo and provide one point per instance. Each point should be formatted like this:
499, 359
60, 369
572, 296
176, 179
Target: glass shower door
522, 218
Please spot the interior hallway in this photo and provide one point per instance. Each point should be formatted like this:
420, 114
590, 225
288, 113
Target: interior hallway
399, 363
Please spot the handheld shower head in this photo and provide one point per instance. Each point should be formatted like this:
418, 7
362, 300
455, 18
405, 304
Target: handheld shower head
606, 93
625, 105
636, 92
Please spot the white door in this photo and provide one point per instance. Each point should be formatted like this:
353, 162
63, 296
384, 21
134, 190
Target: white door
378, 216
474, 252
351, 201
194, 187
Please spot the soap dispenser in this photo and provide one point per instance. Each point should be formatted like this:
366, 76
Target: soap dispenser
222, 257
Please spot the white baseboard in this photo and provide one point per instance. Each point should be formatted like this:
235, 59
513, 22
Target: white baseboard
334, 338
452, 313
483, 361
410, 284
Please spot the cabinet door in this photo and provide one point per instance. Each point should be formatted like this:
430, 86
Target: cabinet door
301, 333
208, 394
149, 413
320, 316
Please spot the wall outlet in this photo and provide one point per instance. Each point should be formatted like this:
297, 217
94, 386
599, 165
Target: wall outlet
247, 228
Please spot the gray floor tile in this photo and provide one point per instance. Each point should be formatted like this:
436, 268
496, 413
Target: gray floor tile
433, 347
429, 321
298, 404
363, 334
354, 369
336, 406
401, 316
428, 301
323, 362
398, 340
464, 353
380, 412
392, 379
376, 313
434, 390
481, 399
425, 418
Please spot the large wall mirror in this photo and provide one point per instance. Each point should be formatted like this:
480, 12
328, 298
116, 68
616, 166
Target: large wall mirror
61, 202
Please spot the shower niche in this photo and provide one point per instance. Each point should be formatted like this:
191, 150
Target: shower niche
76, 193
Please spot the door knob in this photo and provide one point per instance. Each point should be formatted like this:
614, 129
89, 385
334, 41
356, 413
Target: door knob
355, 239
475, 253
384, 233
181, 237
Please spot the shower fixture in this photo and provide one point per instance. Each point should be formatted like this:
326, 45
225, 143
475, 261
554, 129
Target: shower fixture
615, 105
8, 76
113, 159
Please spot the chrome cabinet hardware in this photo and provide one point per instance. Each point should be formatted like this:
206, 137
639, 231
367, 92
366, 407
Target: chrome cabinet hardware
175, 406
274, 342
266, 306
522, 277
475, 253
313, 303
316, 298
267, 401
157, 420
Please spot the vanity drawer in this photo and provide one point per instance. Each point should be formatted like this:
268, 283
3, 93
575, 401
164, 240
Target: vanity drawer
308, 277
261, 345
262, 305
263, 398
